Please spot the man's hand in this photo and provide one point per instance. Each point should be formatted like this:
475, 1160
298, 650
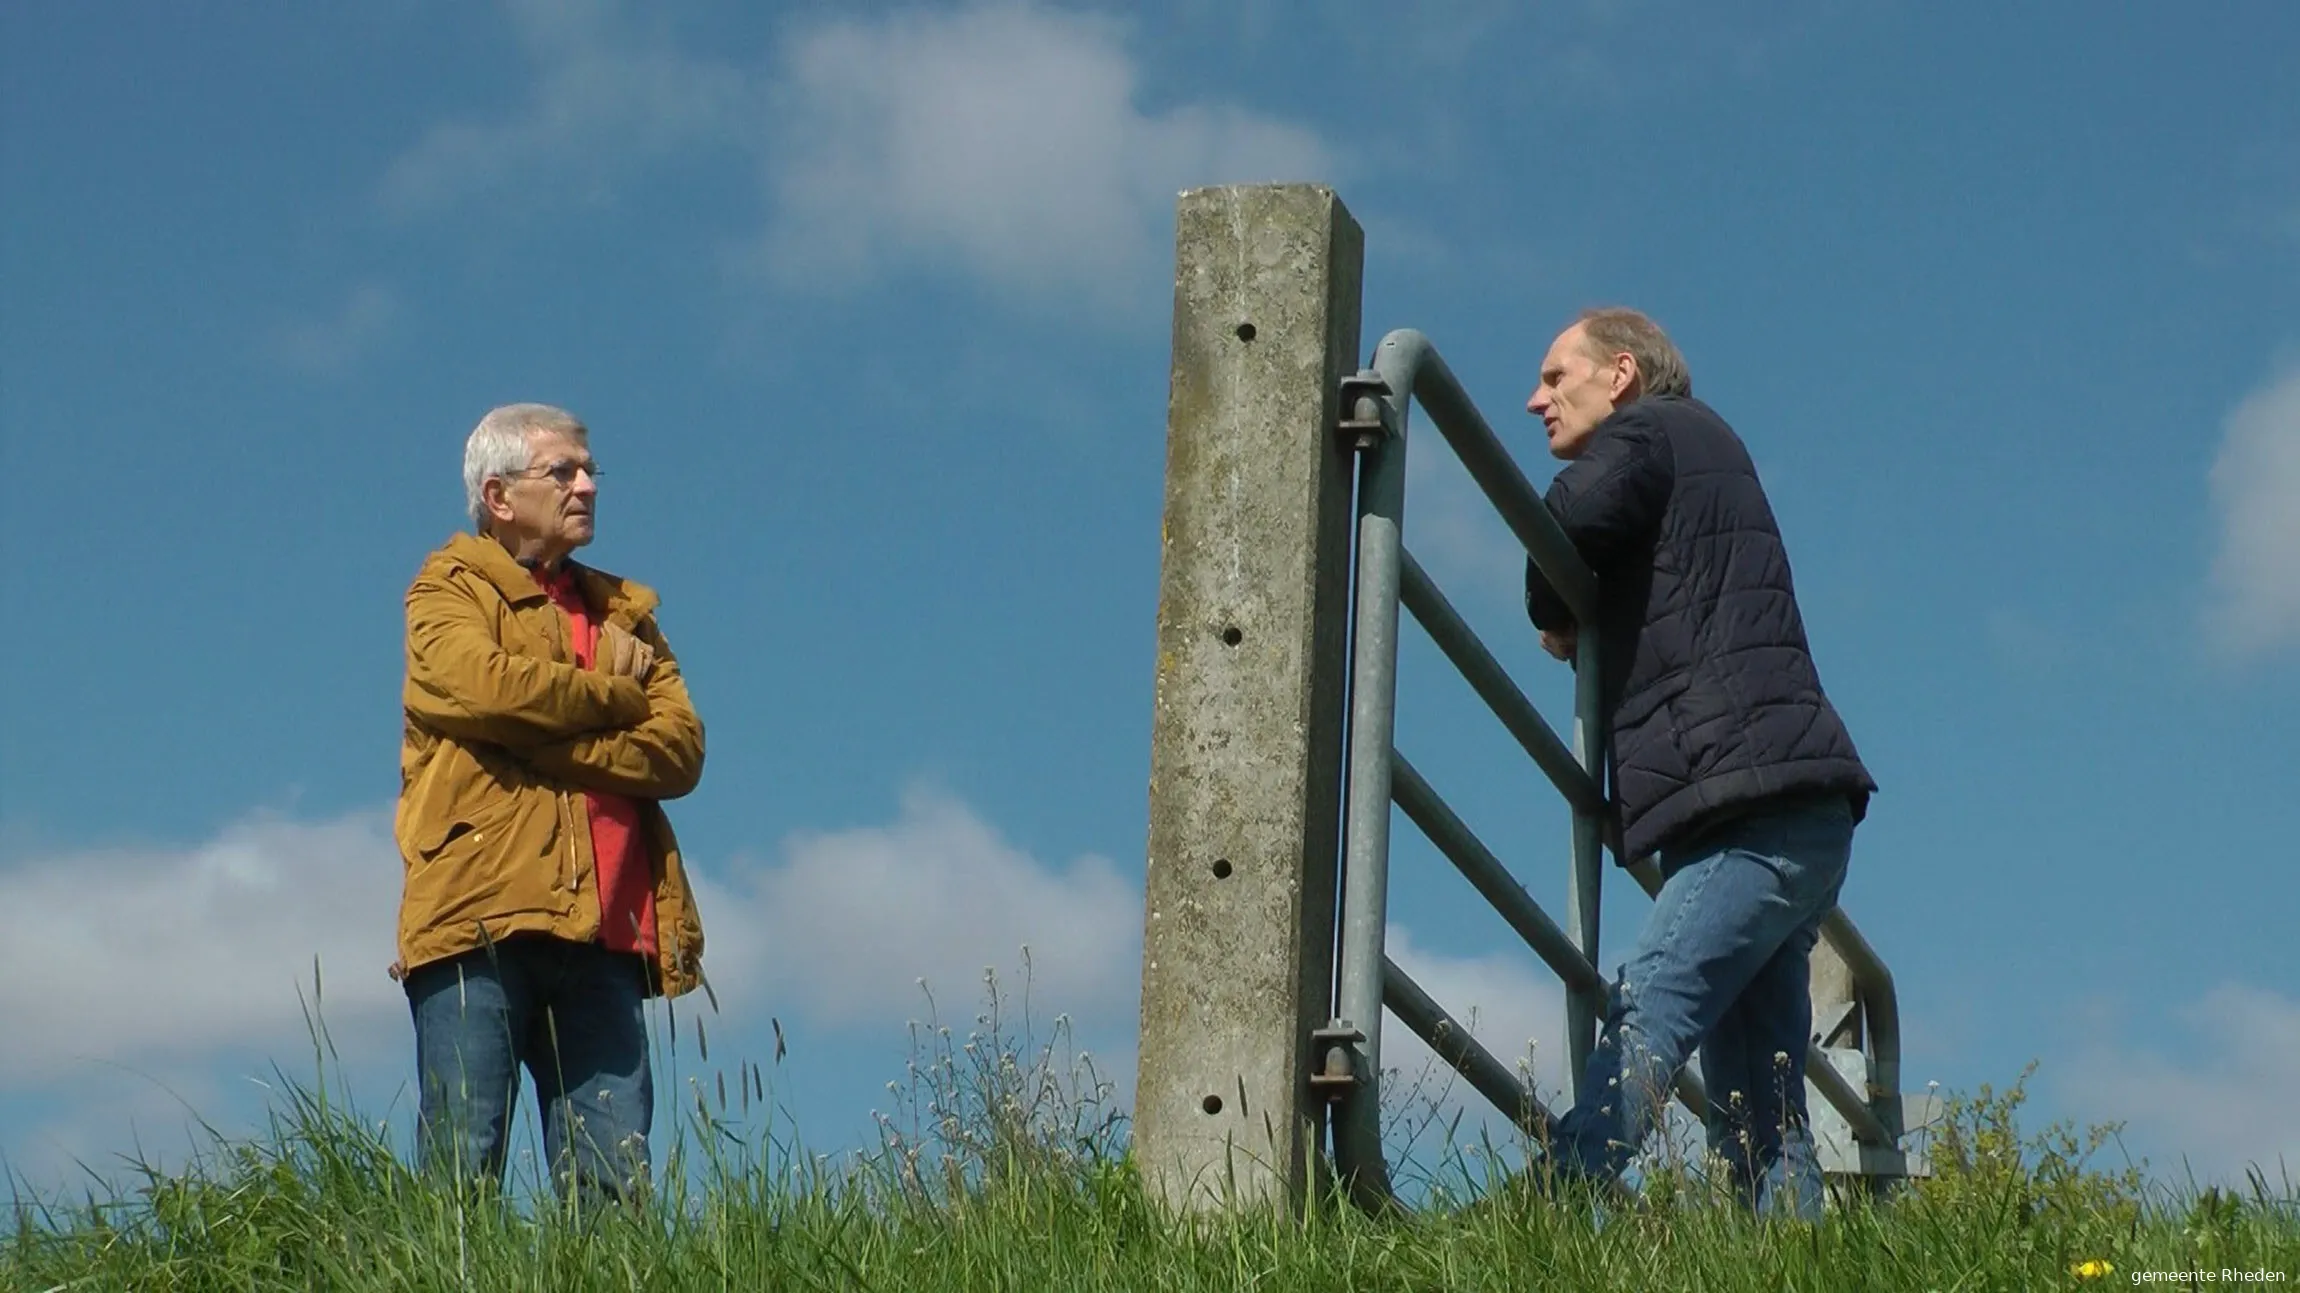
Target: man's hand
1560, 643
620, 652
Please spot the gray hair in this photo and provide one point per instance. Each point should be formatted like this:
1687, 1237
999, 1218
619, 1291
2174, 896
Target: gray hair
1613, 331
498, 447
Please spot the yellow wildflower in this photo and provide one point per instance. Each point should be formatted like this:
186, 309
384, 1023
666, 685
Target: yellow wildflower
2091, 1269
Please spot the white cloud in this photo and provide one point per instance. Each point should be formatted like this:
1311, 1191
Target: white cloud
154, 983
2217, 1090
142, 955
846, 923
605, 97
165, 961
138, 955
332, 344
1006, 139
1001, 140
2255, 480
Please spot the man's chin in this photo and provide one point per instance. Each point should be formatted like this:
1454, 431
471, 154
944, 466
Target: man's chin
1566, 448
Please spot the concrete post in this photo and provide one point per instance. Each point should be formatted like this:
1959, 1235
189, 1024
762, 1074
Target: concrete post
1246, 737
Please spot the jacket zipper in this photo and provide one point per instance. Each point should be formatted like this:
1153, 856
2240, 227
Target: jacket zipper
566, 636
567, 825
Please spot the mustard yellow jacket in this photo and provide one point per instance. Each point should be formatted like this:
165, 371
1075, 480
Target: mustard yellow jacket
504, 732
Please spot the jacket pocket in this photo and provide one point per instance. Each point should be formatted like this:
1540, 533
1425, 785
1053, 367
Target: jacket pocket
496, 859
465, 830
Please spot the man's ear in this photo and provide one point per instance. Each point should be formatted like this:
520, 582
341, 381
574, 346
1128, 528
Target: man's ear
1626, 383
492, 497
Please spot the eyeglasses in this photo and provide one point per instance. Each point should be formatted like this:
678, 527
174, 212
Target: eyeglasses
561, 474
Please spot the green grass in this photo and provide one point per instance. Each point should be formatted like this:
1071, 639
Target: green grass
1004, 1169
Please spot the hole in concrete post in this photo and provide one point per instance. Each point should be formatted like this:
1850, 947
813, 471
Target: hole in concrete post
1245, 332
1233, 635
1211, 1104
1221, 868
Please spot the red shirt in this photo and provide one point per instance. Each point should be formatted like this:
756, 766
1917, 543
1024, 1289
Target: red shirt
626, 873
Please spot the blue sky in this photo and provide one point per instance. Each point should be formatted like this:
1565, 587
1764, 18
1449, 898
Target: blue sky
867, 307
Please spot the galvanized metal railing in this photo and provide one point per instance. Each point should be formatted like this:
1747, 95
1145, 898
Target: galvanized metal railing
1347, 1054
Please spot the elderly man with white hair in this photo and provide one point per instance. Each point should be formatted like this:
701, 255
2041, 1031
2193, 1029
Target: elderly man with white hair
545, 901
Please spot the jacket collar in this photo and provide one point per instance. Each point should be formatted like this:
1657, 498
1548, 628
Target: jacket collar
625, 601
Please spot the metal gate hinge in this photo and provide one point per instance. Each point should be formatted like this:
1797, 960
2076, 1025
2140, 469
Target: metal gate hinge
1333, 1059
1362, 425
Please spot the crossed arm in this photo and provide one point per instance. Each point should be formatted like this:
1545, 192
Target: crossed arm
633, 734
659, 757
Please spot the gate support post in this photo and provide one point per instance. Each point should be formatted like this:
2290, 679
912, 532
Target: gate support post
1246, 735
1866, 1053
1838, 1030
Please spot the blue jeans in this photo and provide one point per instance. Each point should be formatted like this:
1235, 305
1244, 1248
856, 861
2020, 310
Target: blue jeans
572, 1014
1723, 963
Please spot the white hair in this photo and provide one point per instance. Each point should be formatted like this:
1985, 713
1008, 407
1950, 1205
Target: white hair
498, 447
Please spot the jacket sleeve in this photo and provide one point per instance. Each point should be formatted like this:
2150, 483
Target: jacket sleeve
464, 685
660, 757
1543, 606
1609, 503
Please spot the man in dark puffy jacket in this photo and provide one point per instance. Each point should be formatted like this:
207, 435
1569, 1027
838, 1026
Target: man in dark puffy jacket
1727, 759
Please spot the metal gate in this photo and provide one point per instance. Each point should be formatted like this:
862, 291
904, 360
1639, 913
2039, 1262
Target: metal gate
1859, 1118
